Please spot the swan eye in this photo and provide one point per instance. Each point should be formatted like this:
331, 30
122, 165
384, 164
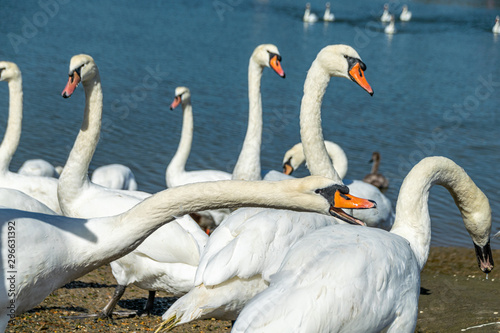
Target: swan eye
353, 61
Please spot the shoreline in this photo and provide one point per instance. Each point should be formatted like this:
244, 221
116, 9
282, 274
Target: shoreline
455, 295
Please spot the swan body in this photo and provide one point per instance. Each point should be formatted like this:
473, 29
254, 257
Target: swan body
115, 176
390, 29
11, 198
382, 217
405, 14
308, 16
54, 250
81, 198
374, 177
38, 167
43, 189
386, 16
496, 27
328, 16
246, 249
176, 174
349, 271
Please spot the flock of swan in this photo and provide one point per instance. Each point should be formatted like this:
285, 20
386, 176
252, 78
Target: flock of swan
387, 17
313, 254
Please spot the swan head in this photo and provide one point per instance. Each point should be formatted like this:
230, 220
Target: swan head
386, 6
477, 221
343, 61
336, 194
375, 157
327, 5
182, 95
9, 71
268, 55
405, 8
293, 158
82, 68
497, 19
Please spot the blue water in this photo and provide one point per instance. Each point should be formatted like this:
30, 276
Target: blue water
429, 81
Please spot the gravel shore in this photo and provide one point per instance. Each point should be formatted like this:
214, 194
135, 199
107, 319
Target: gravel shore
455, 296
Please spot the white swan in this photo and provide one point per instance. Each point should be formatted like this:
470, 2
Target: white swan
174, 270
496, 27
405, 14
390, 29
308, 16
51, 251
328, 16
11, 198
43, 189
38, 167
115, 176
382, 217
344, 279
248, 165
248, 247
386, 16
176, 173
374, 177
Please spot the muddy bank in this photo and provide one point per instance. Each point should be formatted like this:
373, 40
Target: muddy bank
455, 296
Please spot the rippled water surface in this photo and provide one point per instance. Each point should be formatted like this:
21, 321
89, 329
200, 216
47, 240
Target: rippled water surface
436, 83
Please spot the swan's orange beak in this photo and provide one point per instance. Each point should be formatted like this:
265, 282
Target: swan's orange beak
358, 76
287, 168
276, 65
347, 201
176, 102
73, 81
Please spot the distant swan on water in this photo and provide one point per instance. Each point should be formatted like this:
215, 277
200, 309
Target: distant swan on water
328, 16
308, 16
496, 27
405, 14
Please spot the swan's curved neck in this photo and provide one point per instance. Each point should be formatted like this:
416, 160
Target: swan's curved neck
311, 133
178, 162
75, 173
248, 165
412, 211
13, 130
145, 217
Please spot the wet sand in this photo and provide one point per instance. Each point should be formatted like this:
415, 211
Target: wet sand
455, 296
